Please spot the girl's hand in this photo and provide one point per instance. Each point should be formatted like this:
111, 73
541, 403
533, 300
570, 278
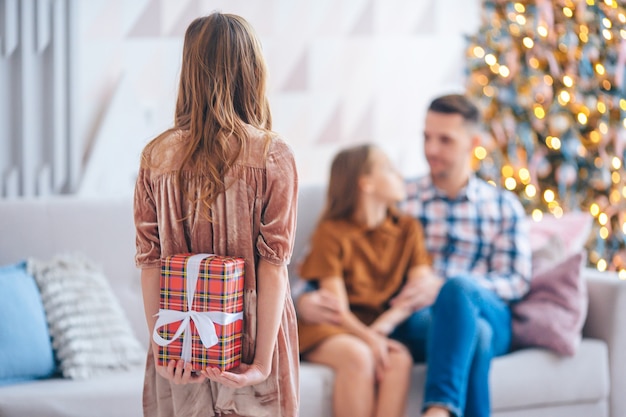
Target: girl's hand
319, 307
418, 293
387, 322
380, 349
239, 377
179, 373
382, 327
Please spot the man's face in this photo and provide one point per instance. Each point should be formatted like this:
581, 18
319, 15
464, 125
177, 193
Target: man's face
448, 144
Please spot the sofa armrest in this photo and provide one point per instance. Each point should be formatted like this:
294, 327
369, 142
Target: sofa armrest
606, 320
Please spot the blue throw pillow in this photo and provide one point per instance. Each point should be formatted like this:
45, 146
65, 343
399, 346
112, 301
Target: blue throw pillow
25, 346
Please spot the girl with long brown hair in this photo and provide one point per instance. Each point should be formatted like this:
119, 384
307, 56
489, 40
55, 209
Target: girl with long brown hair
362, 253
220, 181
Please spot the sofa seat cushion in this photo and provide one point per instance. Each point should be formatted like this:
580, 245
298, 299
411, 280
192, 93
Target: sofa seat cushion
117, 394
536, 378
316, 382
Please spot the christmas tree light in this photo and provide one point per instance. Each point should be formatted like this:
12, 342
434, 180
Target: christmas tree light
550, 78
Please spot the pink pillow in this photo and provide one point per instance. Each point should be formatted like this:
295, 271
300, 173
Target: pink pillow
553, 239
553, 312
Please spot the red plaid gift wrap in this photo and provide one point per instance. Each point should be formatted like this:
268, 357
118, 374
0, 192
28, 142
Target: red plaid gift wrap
201, 297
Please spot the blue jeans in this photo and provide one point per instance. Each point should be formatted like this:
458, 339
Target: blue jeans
458, 336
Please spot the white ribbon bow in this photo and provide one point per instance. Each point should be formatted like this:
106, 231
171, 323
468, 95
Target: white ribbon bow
204, 320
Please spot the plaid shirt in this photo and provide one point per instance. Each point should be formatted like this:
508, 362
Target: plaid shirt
482, 233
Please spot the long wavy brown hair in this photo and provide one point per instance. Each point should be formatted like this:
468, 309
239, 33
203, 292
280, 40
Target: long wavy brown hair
222, 88
348, 166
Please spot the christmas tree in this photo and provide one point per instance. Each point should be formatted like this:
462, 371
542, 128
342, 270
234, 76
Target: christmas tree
550, 79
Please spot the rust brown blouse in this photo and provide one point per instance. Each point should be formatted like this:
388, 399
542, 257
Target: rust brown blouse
253, 219
372, 262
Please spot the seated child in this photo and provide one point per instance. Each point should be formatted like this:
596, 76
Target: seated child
363, 252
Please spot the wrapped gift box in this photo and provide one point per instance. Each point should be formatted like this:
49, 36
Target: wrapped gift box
201, 310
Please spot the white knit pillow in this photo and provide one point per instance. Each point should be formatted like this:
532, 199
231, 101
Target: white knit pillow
89, 330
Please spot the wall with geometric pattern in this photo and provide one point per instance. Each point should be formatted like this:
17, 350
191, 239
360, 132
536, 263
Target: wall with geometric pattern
341, 72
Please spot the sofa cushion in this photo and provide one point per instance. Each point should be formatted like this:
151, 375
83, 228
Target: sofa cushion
553, 312
553, 239
316, 390
90, 333
537, 379
116, 394
25, 348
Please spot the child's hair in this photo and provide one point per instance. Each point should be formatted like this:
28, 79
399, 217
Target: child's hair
343, 191
222, 88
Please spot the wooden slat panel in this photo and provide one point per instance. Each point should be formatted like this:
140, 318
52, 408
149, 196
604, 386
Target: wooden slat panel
60, 130
10, 34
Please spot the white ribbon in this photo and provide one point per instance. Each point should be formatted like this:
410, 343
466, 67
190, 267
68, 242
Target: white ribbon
204, 320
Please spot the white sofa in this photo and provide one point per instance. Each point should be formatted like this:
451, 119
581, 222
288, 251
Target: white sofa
528, 383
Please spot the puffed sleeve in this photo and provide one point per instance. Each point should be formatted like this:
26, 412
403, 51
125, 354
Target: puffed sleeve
280, 203
325, 255
147, 242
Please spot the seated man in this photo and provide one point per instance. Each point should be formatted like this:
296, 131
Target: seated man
478, 239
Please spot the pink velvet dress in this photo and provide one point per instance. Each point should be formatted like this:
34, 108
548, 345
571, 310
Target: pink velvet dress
253, 219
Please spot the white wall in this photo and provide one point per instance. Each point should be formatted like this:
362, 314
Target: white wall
341, 72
